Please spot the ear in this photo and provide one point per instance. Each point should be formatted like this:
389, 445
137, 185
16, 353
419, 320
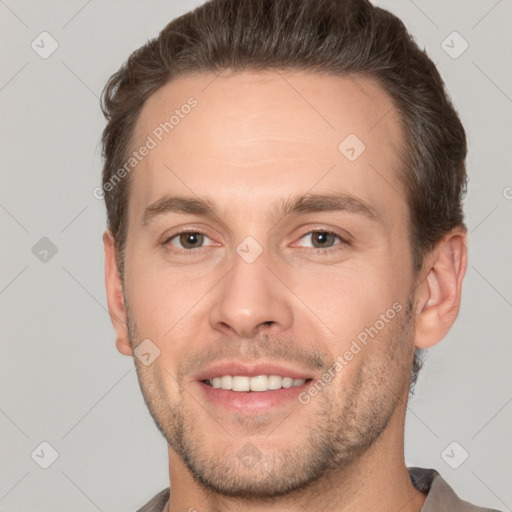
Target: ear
116, 306
439, 292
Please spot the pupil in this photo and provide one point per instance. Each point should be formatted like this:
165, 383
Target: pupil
189, 239
322, 237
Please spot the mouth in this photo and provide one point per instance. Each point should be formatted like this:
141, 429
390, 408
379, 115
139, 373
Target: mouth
258, 383
252, 388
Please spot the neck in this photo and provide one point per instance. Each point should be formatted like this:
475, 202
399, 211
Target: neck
378, 480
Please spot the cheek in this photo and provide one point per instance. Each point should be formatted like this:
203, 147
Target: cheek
346, 299
167, 308
155, 301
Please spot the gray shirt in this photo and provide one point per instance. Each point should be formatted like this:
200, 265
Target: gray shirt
441, 497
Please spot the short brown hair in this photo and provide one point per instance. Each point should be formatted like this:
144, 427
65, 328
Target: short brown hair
339, 37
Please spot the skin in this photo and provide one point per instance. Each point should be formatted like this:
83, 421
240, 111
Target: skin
257, 138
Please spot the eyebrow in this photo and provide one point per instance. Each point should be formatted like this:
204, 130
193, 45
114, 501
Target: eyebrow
309, 203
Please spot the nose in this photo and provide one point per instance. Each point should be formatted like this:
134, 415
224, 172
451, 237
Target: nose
250, 300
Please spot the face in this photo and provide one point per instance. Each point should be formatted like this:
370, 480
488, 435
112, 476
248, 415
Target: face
262, 253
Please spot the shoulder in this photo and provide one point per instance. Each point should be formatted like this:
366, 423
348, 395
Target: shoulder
441, 497
157, 503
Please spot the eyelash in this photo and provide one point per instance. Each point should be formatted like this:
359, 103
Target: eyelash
200, 251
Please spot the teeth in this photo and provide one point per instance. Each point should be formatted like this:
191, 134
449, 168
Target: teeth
241, 383
258, 383
287, 382
226, 382
274, 382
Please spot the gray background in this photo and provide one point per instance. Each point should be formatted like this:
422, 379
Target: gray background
62, 380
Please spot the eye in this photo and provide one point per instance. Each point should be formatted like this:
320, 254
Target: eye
186, 241
323, 240
194, 242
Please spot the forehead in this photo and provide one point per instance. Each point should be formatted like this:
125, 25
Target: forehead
257, 134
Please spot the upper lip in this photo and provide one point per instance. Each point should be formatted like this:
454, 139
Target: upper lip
250, 370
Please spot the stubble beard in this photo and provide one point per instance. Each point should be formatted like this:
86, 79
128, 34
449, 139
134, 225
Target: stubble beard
341, 427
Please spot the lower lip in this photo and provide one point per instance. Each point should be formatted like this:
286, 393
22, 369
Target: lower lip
252, 401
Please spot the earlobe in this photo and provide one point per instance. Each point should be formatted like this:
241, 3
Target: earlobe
115, 300
439, 294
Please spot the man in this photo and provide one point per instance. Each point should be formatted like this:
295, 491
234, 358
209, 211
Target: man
283, 181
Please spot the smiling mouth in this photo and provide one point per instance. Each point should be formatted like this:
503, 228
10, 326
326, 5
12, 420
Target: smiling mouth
259, 383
